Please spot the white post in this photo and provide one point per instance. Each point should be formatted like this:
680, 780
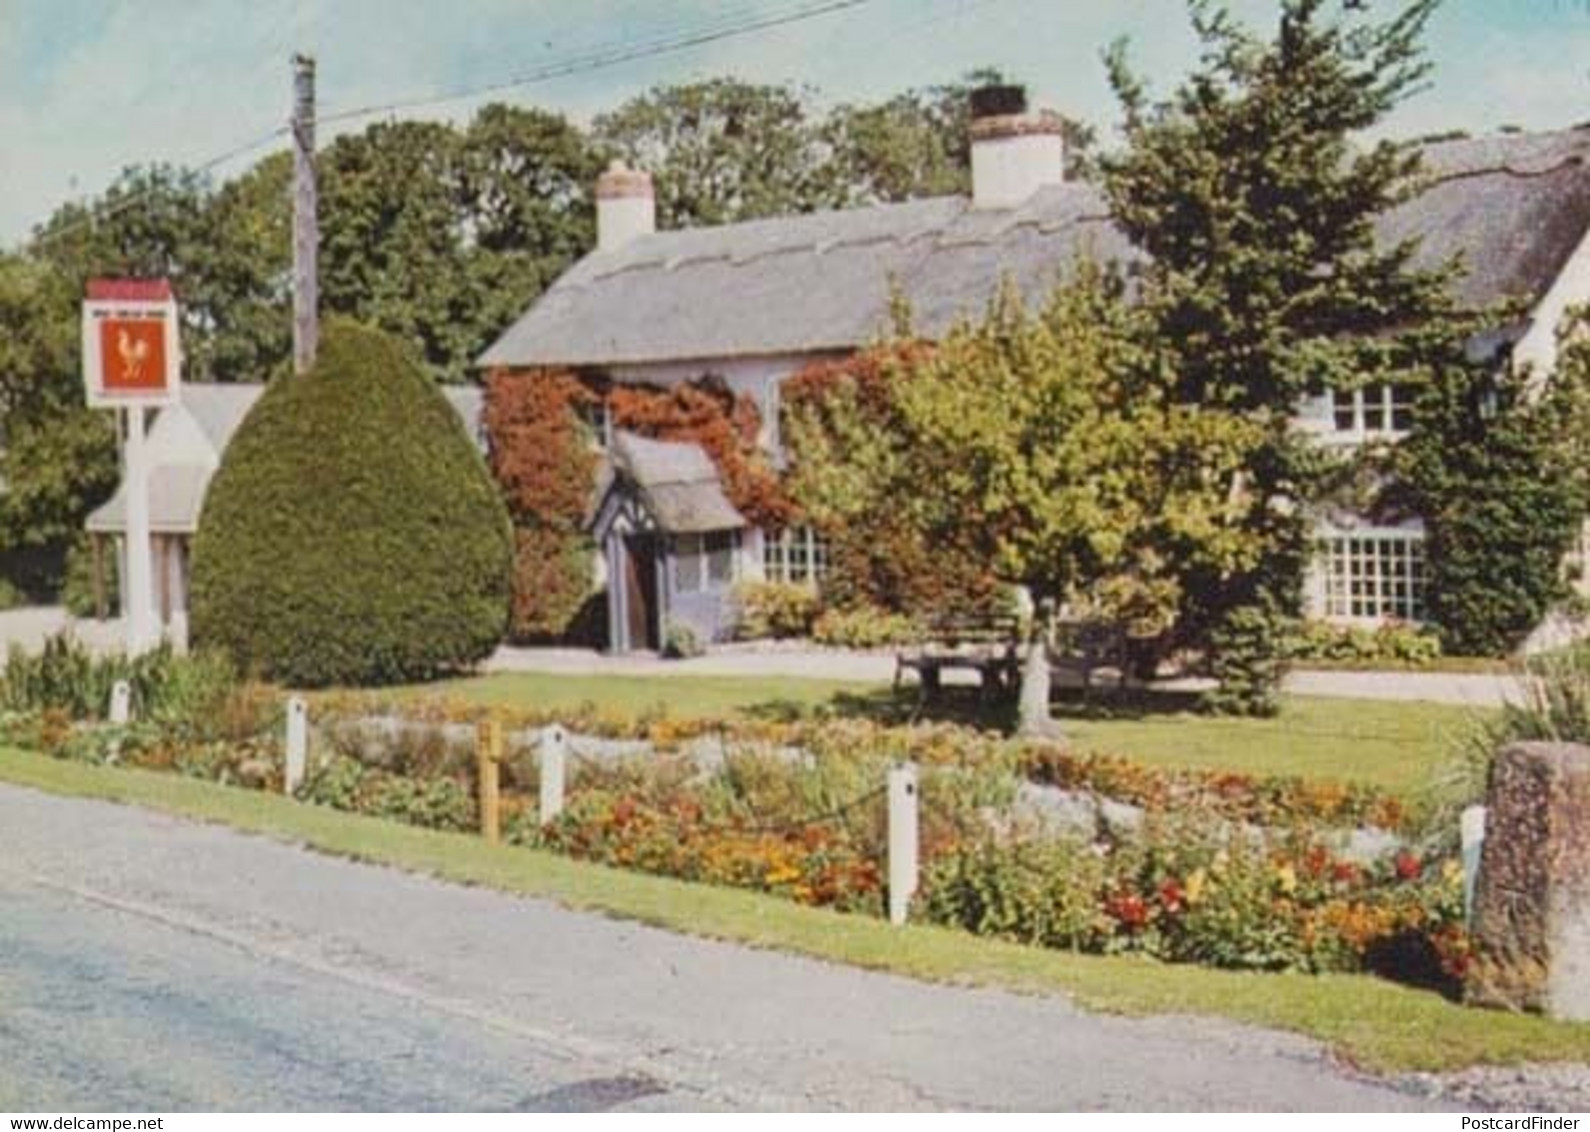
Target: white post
902, 840
138, 605
297, 744
554, 762
120, 703
1471, 832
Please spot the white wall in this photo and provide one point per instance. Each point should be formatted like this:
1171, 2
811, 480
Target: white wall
1537, 349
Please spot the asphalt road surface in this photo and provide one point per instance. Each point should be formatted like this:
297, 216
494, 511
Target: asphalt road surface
150, 964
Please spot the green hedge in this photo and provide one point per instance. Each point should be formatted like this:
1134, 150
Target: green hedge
352, 534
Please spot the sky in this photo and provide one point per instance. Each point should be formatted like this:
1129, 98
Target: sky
88, 87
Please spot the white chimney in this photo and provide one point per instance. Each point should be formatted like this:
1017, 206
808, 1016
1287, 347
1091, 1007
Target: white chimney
1014, 154
626, 206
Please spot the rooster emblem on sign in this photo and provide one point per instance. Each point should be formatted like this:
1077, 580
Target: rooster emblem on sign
134, 352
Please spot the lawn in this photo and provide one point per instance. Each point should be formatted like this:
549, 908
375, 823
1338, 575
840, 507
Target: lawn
678, 697
1393, 745
1375, 1024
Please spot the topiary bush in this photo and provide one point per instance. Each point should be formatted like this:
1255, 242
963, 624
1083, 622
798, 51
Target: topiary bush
352, 534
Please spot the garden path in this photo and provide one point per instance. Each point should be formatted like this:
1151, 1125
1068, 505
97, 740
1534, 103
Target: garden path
29, 627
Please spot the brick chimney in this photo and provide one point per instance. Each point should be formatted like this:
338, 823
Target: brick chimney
1014, 153
626, 206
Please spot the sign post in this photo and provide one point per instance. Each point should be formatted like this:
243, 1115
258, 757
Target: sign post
131, 363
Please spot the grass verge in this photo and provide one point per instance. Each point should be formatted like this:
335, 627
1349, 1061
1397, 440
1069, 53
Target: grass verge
1374, 1024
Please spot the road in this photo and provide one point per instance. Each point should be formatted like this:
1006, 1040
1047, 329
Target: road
148, 963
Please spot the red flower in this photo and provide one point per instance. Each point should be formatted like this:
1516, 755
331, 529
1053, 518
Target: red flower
1408, 865
1129, 908
1344, 872
1172, 897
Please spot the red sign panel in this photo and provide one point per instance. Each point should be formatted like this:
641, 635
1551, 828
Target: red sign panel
130, 350
132, 354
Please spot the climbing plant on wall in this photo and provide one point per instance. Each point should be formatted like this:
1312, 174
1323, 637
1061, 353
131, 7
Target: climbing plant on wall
545, 457
546, 466
728, 427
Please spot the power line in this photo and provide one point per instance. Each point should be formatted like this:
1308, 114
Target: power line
597, 59
105, 212
603, 58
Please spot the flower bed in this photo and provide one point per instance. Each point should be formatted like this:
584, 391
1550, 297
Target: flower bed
1222, 869
1269, 801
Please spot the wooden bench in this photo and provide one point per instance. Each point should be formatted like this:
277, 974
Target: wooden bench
984, 644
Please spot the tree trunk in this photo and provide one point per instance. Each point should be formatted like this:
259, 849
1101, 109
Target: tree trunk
1036, 722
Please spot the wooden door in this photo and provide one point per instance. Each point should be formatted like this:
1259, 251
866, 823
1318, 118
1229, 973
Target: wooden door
640, 592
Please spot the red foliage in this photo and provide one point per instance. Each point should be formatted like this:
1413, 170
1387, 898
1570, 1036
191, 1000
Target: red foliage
537, 450
547, 472
707, 412
871, 373
546, 465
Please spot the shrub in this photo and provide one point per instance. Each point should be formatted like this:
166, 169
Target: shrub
193, 691
344, 784
11, 596
1248, 659
774, 609
1555, 709
1048, 894
864, 627
77, 589
352, 533
1395, 643
680, 641
551, 582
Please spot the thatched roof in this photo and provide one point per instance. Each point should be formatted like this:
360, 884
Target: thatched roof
1514, 206
677, 482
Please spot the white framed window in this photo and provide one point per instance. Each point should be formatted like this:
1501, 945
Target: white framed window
1385, 409
1375, 575
705, 562
796, 554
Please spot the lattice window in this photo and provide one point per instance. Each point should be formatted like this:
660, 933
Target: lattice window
1375, 576
798, 554
1385, 409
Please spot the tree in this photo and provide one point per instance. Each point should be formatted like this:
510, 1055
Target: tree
918, 144
352, 533
442, 237
57, 458
1256, 205
723, 150
1056, 448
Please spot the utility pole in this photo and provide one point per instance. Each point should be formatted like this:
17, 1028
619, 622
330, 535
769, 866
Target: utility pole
306, 224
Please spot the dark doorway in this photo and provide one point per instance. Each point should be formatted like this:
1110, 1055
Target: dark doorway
640, 592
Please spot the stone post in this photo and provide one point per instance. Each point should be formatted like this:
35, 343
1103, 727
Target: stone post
903, 845
1532, 903
121, 703
553, 770
297, 750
